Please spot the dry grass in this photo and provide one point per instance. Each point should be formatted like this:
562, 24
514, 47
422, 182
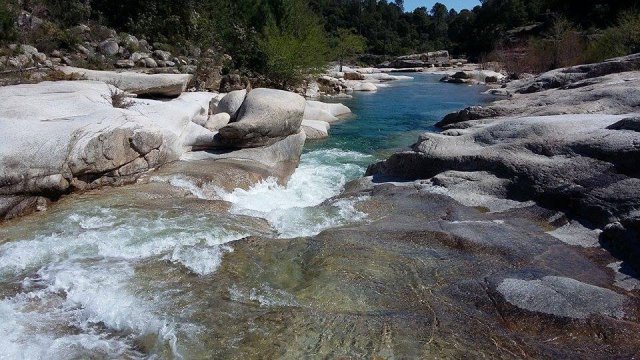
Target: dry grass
35, 75
57, 75
118, 98
561, 46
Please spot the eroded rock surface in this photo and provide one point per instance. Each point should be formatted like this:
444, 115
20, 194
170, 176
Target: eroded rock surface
423, 278
62, 136
583, 162
612, 87
169, 85
266, 117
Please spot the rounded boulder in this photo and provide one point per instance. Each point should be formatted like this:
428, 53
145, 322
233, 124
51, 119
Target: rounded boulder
266, 116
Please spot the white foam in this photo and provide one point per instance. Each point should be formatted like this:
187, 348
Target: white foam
201, 261
134, 235
85, 298
205, 191
301, 208
77, 297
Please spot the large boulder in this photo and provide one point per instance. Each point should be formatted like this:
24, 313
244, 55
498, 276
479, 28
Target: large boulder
278, 160
565, 77
573, 90
217, 121
137, 56
266, 116
231, 103
169, 85
315, 129
327, 112
56, 137
352, 75
162, 55
585, 165
109, 47
360, 85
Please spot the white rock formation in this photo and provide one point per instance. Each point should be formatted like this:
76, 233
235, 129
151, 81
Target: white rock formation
329, 112
360, 85
60, 136
169, 85
315, 129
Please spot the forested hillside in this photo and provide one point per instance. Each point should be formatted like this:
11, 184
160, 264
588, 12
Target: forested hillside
285, 38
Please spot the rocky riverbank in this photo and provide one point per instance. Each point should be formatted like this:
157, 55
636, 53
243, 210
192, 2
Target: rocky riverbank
516, 226
566, 139
68, 136
207, 257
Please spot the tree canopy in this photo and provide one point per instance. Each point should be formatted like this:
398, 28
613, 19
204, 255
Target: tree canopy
282, 38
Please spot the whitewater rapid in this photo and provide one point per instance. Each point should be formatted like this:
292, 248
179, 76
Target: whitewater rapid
304, 207
72, 288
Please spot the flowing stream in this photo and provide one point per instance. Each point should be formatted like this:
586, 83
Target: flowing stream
109, 277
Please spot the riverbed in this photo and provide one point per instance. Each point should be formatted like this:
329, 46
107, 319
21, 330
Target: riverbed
135, 272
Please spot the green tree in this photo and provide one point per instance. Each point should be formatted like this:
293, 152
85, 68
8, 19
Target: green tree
619, 40
7, 18
347, 44
294, 43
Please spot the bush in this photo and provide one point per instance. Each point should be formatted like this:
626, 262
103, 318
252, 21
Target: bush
347, 44
7, 21
118, 98
69, 12
49, 37
290, 57
617, 41
294, 44
561, 46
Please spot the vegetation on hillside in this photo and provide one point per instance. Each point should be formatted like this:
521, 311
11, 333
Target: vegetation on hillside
284, 39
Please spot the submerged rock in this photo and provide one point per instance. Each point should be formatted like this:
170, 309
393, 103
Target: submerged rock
562, 296
422, 278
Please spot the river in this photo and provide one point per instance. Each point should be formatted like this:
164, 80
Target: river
134, 274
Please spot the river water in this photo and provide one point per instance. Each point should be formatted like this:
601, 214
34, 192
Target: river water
132, 273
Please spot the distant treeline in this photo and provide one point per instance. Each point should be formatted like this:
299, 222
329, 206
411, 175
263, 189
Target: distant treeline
388, 29
284, 38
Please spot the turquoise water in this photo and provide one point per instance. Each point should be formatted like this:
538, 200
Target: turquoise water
118, 276
393, 117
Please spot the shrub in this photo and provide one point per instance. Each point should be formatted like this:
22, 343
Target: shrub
49, 37
294, 45
619, 40
118, 98
69, 12
7, 22
57, 75
561, 46
347, 45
